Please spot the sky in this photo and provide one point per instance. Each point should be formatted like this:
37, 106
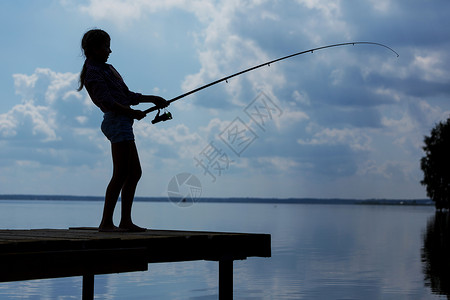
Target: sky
344, 122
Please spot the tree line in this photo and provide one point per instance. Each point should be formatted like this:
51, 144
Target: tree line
436, 165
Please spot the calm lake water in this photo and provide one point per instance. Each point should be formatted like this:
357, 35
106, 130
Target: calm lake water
318, 251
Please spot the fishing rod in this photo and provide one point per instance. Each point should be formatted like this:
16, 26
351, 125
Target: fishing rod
168, 116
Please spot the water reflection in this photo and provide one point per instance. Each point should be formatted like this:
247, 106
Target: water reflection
436, 254
318, 252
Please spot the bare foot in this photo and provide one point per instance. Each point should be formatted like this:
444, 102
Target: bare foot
110, 229
131, 228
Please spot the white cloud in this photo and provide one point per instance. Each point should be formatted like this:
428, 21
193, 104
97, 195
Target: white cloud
301, 97
44, 86
7, 125
280, 164
124, 12
357, 139
221, 50
24, 85
39, 119
426, 64
328, 18
175, 142
50, 115
399, 171
27, 120
329, 8
430, 67
383, 6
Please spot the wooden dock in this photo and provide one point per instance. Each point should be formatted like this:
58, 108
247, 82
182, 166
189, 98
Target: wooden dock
52, 253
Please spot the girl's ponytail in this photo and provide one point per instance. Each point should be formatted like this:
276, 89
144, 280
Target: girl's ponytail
91, 40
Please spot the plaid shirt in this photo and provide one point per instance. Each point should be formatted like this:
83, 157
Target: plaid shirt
105, 86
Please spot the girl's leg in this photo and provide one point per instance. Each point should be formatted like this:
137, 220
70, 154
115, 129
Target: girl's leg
129, 189
120, 157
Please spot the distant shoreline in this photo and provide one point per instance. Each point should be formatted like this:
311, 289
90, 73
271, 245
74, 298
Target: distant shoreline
416, 202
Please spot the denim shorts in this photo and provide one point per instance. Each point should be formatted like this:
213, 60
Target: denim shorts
117, 128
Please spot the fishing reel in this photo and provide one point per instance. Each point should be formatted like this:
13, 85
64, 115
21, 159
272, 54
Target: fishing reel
162, 118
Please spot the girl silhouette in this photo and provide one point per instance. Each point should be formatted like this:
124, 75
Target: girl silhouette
109, 92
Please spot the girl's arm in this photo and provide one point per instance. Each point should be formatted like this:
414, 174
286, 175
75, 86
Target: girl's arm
126, 110
158, 101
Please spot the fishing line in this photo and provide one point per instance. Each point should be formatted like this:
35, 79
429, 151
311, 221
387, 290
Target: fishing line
167, 116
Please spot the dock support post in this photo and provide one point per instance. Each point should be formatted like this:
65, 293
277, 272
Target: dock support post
225, 279
88, 287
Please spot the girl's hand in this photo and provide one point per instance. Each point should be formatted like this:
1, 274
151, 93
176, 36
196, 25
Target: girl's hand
138, 114
160, 102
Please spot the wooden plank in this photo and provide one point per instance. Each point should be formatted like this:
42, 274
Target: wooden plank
53, 264
93, 233
73, 237
51, 253
48, 253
